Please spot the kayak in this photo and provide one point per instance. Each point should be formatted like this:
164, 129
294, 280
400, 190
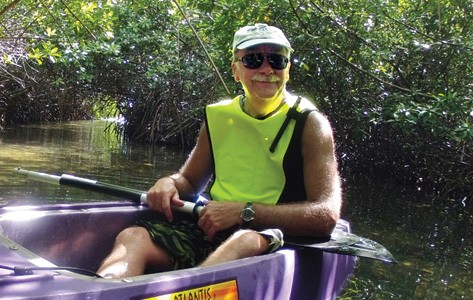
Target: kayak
51, 252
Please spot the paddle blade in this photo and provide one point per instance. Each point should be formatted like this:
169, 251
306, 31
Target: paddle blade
342, 242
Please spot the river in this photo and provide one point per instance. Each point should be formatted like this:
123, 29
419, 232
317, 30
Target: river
433, 242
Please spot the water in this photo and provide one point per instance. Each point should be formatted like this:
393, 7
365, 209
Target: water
433, 244
431, 239
84, 149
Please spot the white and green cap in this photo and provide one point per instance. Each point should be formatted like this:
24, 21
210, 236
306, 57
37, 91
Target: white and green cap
258, 34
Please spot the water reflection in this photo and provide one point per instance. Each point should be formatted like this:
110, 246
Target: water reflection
82, 148
431, 239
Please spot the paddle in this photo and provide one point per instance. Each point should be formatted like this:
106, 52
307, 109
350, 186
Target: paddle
340, 242
136, 196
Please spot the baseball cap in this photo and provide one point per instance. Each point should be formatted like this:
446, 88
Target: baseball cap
258, 34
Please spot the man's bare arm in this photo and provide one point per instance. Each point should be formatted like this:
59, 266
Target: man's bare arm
188, 183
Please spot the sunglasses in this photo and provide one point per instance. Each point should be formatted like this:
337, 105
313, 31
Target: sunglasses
255, 60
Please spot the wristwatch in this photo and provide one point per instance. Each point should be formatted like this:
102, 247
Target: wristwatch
248, 213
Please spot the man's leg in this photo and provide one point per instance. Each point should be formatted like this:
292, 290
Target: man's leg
134, 251
241, 244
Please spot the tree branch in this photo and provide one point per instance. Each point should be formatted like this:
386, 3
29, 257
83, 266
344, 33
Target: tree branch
78, 20
203, 47
8, 7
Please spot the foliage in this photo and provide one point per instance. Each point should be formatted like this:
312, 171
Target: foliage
394, 77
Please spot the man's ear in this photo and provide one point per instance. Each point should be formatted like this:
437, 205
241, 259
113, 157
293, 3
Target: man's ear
288, 76
236, 76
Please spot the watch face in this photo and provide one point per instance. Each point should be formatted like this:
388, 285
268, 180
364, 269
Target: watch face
247, 214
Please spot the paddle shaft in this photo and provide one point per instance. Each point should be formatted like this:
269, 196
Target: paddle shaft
136, 196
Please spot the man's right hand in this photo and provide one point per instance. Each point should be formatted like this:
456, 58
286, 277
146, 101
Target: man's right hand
163, 195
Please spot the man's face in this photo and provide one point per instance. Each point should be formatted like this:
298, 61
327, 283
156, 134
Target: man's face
265, 82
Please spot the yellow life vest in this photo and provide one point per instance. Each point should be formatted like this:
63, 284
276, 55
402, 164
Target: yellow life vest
249, 153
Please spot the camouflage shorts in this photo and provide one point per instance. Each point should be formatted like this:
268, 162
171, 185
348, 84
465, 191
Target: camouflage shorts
187, 244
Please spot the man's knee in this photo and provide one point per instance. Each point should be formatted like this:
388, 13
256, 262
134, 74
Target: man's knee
253, 242
133, 235
140, 246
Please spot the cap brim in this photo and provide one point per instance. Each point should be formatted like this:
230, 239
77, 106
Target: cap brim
256, 42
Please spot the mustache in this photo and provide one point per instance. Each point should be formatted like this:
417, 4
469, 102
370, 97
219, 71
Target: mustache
265, 78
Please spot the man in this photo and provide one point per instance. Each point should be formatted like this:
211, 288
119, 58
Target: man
263, 148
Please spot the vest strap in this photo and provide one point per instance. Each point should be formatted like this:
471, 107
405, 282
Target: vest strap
293, 114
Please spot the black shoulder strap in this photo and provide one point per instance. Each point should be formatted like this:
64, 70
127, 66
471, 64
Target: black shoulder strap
293, 165
291, 114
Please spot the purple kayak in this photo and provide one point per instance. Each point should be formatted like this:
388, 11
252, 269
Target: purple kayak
50, 251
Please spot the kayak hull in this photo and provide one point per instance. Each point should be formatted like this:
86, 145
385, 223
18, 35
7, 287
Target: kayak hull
81, 235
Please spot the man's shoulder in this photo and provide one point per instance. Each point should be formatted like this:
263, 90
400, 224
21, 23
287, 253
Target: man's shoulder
222, 107
224, 102
302, 102
319, 122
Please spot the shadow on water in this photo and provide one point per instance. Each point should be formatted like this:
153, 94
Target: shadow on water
432, 239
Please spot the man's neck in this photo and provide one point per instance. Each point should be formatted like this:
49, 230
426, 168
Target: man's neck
258, 108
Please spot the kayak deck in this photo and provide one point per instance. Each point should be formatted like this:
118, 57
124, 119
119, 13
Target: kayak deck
81, 235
